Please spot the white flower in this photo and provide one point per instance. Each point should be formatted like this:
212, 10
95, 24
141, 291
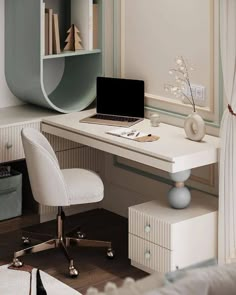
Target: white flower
174, 89
182, 86
179, 61
166, 89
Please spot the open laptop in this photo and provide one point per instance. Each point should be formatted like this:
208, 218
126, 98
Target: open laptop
120, 102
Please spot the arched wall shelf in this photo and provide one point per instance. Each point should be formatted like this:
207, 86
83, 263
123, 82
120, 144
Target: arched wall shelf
25, 60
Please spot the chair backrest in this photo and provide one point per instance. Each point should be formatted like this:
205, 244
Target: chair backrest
46, 179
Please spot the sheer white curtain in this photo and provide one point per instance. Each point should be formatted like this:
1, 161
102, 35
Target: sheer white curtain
227, 175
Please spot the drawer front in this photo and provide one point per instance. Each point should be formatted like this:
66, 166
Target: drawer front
149, 255
11, 148
149, 228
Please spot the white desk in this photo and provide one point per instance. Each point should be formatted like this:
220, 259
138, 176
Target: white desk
172, 152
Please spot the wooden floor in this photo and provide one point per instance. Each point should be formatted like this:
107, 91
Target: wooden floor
95, 268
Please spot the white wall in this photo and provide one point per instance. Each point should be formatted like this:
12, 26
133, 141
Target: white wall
158, 32
151, 36
6, 97
153, 33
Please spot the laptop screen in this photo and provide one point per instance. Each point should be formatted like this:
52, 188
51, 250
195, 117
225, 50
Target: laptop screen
122, 97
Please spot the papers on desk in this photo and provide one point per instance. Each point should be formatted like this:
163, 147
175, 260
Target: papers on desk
127, 133
133, 134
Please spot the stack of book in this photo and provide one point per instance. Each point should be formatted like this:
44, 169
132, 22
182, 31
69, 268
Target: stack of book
84, 15
52, 35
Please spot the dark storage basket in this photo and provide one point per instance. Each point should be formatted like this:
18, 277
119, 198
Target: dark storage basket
11, 195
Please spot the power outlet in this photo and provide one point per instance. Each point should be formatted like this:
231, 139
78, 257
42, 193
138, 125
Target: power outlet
199, 95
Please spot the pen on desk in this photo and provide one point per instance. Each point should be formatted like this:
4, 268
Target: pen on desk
137, 134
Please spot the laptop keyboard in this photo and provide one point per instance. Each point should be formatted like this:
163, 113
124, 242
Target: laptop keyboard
115, 118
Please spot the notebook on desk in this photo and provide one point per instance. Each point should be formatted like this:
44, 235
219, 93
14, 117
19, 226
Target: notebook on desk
120, 102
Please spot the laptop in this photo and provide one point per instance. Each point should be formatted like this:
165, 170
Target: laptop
120, 102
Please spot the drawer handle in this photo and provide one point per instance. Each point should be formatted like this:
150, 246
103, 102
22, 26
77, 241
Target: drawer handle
9, 145
147, 255
148, 228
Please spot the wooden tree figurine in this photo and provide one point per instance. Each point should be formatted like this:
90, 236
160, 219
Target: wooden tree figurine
73, 39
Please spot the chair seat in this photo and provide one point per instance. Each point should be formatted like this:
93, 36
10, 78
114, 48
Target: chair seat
83, 186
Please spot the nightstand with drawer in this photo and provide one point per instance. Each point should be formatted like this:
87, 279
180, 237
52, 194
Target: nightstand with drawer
163, 239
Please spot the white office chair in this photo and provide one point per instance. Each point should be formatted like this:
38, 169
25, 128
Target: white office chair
52, 186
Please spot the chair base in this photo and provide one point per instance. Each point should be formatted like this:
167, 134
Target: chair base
62, 242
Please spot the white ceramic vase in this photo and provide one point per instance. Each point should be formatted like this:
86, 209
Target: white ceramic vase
194, 127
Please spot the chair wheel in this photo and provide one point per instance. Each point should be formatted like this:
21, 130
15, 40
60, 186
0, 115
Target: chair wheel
26, 241
110, 253
17, 263
73, 272
81, 235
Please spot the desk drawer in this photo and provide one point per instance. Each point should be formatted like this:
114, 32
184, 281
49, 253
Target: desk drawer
149, 255
150, 228
11, 148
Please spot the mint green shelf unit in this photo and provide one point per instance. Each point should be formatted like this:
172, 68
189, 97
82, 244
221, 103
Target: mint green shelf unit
25, 59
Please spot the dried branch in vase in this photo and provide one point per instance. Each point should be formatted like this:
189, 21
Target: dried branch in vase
181, 81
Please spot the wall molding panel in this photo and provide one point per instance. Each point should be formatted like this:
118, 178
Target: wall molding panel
162, 45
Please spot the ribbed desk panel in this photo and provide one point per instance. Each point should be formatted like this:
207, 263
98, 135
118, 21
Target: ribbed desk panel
60, 144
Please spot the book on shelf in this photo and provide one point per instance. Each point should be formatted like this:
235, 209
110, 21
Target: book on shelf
46, 50
49, 34
44, 25
82, 17
95, 25
56, 35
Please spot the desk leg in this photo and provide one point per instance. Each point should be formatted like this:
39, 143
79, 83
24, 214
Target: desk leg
179, 196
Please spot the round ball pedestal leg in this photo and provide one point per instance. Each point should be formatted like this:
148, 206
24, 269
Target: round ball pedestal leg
179, 196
